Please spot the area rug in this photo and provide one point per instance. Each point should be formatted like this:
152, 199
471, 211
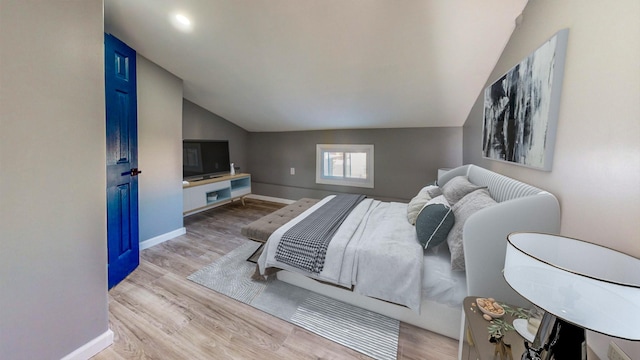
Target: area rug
367, 332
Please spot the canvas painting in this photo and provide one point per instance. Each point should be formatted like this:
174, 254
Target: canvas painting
521, 108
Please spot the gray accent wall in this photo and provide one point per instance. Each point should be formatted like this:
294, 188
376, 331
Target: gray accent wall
405, 160
53, 242
201, 124
159, 150
596, 167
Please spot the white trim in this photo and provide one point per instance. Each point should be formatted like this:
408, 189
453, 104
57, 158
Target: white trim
269, 198
162, 238
93, 347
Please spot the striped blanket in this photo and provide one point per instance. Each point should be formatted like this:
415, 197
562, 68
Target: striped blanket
304, 246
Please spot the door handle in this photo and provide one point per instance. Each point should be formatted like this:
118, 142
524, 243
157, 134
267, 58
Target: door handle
135, 172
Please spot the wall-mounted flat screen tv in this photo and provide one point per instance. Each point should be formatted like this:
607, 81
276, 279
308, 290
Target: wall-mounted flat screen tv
204, 159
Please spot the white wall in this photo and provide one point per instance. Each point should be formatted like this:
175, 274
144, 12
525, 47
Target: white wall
159, 150
596, 169
53, 248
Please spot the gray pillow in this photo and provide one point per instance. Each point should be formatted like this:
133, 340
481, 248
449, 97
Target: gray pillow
467, 206
434, 222
433, 190
425, 194
456, 188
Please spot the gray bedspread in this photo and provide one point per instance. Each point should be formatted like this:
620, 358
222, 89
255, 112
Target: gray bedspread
375, 252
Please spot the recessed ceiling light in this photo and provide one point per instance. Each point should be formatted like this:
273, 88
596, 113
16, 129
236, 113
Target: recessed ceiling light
181, 22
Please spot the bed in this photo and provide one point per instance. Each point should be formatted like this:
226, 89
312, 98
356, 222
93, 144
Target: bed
435, 291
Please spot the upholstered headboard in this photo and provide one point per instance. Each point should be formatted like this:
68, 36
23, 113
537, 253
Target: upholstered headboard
521, 207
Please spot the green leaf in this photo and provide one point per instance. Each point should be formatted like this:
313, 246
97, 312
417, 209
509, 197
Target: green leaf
499, 327
520, 313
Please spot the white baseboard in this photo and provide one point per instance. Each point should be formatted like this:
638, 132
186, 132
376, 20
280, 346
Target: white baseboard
162, 238
270, 198
93, 347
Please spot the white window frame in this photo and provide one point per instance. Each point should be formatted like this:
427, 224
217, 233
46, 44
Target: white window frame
343, 181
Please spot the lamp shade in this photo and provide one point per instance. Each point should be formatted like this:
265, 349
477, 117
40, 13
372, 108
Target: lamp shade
588, 285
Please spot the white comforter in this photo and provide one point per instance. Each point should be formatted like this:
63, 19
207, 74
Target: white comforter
375, 251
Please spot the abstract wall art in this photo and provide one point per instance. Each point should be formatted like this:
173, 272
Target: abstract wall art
521, 108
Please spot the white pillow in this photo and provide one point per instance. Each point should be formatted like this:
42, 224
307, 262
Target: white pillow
456, 188
467, 206
417, 203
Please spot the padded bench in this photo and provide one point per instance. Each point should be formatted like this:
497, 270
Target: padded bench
261, 229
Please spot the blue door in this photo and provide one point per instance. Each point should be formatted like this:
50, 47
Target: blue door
122, 159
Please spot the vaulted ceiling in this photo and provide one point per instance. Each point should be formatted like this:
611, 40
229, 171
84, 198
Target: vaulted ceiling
284, 65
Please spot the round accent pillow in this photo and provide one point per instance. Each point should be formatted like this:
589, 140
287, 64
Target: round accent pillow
424, 195
434, 222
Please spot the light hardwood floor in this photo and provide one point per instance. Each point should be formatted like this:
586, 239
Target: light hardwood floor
156, 313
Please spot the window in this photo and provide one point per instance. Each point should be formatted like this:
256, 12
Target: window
344, 164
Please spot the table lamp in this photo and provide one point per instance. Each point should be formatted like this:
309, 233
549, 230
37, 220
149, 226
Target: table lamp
579, 285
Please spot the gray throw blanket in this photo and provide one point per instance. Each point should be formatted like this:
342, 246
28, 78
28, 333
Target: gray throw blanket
304, 246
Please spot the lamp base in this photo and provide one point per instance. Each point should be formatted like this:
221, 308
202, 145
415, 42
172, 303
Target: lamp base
556, 340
